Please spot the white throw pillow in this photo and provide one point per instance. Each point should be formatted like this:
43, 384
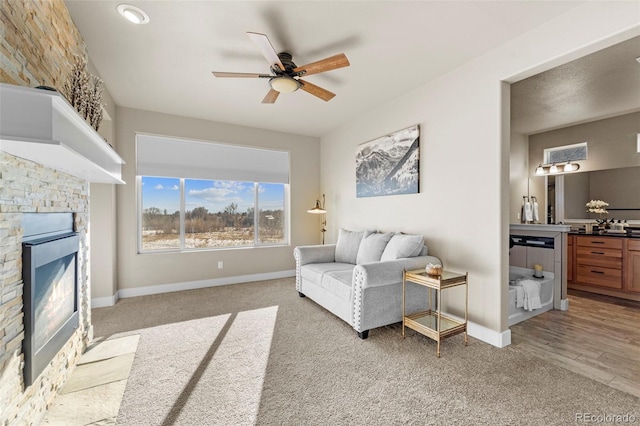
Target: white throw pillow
403, 245
372, 246
347, 245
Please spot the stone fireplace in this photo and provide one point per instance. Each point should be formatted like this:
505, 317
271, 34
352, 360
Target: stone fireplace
27, 187
48, 157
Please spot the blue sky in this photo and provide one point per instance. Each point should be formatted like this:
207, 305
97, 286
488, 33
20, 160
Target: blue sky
164, 193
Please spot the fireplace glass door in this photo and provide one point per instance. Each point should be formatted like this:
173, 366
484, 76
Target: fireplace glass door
50, 299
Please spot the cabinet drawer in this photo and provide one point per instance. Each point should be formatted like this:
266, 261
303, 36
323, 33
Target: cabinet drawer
604, 277
607, 258
604, 242
633, 245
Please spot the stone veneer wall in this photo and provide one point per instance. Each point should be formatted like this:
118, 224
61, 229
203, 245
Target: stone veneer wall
39, 41
29, 187
37, 45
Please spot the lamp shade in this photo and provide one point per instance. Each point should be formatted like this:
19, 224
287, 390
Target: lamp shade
317, 209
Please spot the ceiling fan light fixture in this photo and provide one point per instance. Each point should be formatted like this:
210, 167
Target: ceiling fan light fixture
284, 84
133, 14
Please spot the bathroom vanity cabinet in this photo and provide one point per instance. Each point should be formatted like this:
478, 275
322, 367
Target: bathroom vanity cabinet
603, 264
599, 261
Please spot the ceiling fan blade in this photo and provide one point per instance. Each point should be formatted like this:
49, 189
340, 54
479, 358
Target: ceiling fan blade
263, 43
331, 63
323, 94
240, 74
271, 97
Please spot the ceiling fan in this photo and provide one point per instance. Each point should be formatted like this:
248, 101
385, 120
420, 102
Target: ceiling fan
285, 75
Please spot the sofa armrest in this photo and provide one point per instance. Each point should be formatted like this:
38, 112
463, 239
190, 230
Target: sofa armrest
368, 276
315, 254
312, 254
388, 272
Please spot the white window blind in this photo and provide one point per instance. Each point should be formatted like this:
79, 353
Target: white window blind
169, 157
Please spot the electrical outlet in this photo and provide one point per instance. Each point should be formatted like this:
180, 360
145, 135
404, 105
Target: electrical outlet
518, 216
220, 264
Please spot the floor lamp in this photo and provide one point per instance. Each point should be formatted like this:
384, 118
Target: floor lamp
319, 209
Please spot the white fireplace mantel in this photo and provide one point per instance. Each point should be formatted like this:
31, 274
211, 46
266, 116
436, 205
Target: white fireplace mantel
41, 126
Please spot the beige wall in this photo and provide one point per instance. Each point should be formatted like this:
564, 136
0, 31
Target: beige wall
136, 271
463, 205
104, 266
612, 144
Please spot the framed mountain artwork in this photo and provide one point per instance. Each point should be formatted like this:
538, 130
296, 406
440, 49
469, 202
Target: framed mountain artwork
389, 165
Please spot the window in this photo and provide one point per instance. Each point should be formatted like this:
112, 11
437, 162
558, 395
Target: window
562, 154
191, 213
160, 213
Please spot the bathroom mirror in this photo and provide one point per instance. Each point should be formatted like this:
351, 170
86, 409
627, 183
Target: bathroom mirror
618, 187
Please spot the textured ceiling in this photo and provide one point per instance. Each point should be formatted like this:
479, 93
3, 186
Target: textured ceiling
393, 46
603, 84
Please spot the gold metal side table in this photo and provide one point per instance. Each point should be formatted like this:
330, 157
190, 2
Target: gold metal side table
432, 323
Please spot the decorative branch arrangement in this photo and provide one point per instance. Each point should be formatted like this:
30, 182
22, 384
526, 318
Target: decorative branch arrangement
84, 92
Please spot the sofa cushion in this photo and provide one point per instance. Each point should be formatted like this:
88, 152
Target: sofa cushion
403, 245
372, 246
347, 245
313, 272
338, 283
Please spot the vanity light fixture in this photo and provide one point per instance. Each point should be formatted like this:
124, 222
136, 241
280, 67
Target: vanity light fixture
554, 169
570, 167
133, 14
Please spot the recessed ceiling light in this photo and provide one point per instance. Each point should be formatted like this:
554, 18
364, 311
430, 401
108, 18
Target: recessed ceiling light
133, 13
638, 59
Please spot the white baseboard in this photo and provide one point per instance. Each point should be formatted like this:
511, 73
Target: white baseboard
102, 302
485, 334
489, 336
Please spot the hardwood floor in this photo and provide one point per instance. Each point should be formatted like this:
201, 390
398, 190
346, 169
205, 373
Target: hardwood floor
598, 337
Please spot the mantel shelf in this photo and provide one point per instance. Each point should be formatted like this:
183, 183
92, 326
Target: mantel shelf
41, 126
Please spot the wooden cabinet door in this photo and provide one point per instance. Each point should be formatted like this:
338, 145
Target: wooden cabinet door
632, 282
570, 258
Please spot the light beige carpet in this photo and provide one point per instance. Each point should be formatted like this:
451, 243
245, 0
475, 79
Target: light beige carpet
258, 354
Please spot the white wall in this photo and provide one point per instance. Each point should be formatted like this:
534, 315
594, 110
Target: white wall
463, 205
137, 271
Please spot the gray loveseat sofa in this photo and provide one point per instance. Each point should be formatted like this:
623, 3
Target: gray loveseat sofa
359, 279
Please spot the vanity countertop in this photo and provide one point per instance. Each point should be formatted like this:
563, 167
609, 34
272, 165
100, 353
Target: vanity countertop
606, 234
539, 227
